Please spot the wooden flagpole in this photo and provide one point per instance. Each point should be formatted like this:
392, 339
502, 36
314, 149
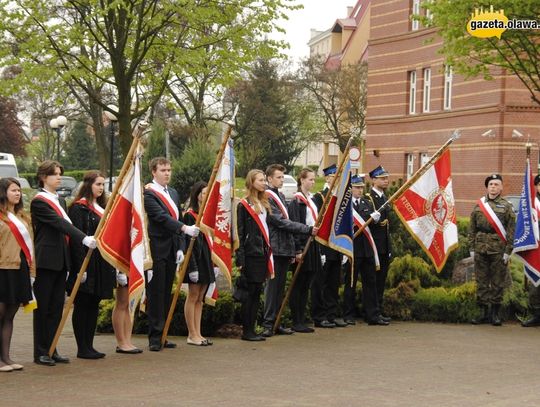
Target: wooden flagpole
181, 269
139, 130
320, 217
455, 135
528, 146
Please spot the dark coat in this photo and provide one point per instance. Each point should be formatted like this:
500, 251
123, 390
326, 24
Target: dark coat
201, 257
381, 229
100, 275
50, 231
330, 253
362, 247
166, 236
282, 241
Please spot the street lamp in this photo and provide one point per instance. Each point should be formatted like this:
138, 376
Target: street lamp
112, 119
57, 125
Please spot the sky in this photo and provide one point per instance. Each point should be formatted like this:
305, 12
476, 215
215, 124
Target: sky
318, 14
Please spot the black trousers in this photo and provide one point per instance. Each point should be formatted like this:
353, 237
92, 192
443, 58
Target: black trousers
158, 297
273, 291
250, 308
325, 291
380, 277
365, 267
84, 320
299, 296
50, 292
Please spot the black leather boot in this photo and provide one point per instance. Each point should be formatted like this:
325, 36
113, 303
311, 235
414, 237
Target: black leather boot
495, 319
484, 319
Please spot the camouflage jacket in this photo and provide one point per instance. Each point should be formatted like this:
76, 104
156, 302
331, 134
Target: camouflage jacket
482, 236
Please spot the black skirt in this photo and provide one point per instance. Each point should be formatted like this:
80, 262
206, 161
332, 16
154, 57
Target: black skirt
15, 287
255, 269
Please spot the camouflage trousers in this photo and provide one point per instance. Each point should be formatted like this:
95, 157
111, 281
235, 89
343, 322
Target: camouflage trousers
534, 298
492, 277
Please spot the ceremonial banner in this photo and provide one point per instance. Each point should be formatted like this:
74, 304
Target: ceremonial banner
526, 237
336, 230
123, 240
216, 222
427, 210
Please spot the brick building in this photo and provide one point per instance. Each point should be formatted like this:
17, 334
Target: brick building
415, 102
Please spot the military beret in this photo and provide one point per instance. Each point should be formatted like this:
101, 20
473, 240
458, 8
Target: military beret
332, 169
357, 181
492, 177
378, 172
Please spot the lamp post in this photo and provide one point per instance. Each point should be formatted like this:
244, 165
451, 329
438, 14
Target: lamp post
57, 125
112, 119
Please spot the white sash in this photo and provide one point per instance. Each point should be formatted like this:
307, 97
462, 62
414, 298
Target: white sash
166, 199
311, 214
359, 222
95, 207
492, 218
24, 239
52, 200
275, 197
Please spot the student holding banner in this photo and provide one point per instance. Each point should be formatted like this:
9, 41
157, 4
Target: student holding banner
491, 233
16, 259
85, 212
53, 232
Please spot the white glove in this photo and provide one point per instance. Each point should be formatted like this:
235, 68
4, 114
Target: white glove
179, 257
192, 231
89, 242
84, 277
121, 279
506, 257
376, 216
193, 276
32, 280
323, 259
472, 255
216, 272
150, 274
344, 260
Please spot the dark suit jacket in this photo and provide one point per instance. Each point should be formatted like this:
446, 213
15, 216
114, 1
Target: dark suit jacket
330, 254
50, 230
362, 247
164, 231
381, 229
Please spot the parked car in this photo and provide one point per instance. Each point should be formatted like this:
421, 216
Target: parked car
67, 186
514, 200
289, 187
24, 183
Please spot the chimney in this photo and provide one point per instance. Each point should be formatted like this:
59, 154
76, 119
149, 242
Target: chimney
349, 11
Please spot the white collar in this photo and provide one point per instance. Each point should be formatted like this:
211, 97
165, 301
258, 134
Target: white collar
160, 187
378, 191
52, 195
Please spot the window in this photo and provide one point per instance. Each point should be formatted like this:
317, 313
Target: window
447, 101
410, 165
412, 92
429, 13
427, 90
415, 11
424, 158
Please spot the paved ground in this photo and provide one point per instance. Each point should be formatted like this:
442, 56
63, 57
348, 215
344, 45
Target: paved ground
404, 364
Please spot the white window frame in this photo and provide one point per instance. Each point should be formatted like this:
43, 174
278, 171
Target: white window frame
447, 97
412, 92
426, 101
415, 11
409, 160
424, 158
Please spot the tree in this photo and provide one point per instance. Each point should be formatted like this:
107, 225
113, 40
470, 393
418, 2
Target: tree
79, 148
340, 95
517, 51
12, 135
267, 131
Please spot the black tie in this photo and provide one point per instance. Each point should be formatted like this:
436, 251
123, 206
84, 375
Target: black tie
165, 190
357, 205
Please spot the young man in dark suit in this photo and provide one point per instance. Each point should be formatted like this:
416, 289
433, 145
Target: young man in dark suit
165, 231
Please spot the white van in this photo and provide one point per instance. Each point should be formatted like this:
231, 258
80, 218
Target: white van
8, 166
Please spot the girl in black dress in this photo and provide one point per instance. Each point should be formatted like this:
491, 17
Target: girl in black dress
16, 253
100, 278
200, 273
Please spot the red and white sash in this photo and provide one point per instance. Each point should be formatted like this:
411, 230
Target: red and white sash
312, 208
260, 220
22, 236
53, 203
166, 199
359, 222
98, 210
275, 197
492, 218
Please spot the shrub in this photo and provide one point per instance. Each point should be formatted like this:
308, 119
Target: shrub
398, 300
407, 268
441, 304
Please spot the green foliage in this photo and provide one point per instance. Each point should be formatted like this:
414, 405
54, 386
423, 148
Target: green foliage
195, 164
398, 300
79, 149
441, 304
409, 268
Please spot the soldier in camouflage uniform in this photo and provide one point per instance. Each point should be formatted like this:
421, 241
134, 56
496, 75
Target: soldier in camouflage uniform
490, 252
534, 292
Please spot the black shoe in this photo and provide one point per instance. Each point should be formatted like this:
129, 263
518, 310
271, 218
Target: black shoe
267, 333
339, 323
253, 338
90, 355
534, 321
378, 321
387, 319
495, 319
303, 329
59, 359
156, 347
284, 331
484, 319
45, 361
324, 324
169, 345
129, 351
349, 321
